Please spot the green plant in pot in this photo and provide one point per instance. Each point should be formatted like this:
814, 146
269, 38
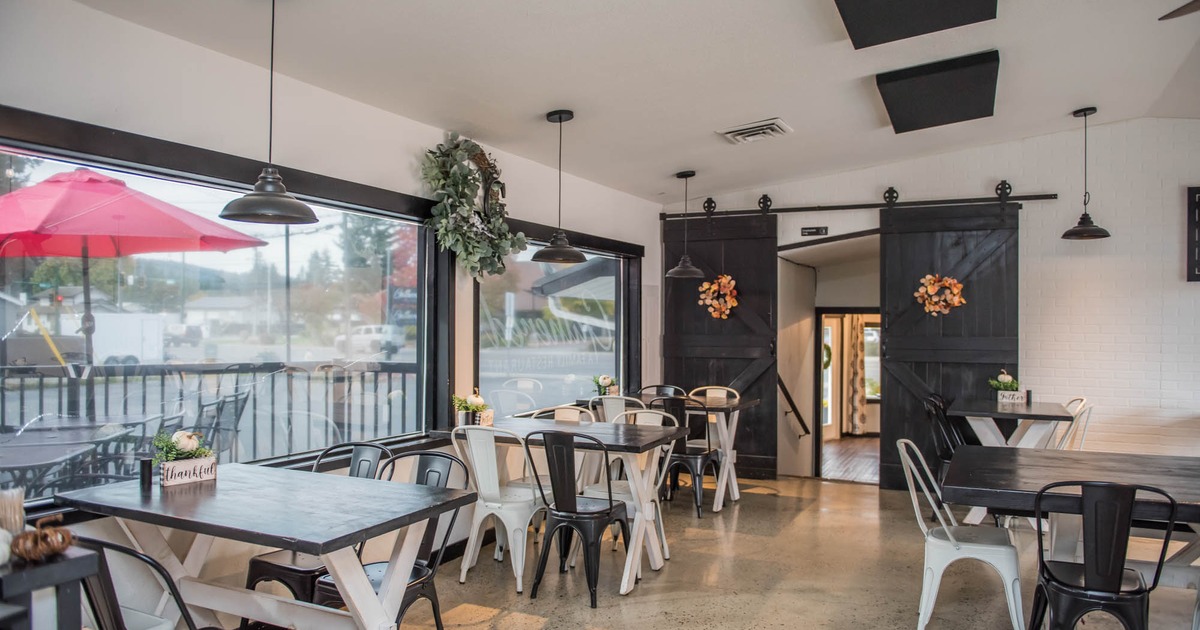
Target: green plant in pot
472, 409
464, 221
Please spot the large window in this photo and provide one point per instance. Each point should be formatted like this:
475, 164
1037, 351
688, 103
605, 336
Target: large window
270, 340
546, 329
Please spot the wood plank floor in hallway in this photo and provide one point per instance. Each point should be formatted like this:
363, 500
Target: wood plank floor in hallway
852, 458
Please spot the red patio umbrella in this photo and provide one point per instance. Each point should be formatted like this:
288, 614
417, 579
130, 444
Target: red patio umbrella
83, 213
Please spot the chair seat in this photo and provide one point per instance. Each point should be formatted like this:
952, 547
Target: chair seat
292, 561
375, 572
974, 536
1070, 574
588, 506
620, 491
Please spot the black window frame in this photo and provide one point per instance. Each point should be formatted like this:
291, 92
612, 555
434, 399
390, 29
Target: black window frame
56, 137
631, 255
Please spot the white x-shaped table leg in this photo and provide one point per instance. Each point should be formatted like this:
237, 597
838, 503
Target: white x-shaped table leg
727, 477
642, 533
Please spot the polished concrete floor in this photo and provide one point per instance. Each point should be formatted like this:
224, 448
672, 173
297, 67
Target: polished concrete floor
792, 553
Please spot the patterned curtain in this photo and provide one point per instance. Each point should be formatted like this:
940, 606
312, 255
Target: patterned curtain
854, 421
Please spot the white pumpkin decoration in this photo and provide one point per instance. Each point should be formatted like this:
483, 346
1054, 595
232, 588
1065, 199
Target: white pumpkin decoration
186, 440
475, 399
1004, 377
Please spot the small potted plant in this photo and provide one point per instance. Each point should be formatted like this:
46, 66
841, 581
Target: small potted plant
606, 385
183, 458
472, 409
1008, 390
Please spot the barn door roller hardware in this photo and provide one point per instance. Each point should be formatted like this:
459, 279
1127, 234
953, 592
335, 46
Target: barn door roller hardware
891, 200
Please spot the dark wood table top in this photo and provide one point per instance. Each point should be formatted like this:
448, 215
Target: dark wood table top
56, 422
718, 404
1010, 411
90, 435
302, 511
620, 438
40, 456
1008, 478
18, 578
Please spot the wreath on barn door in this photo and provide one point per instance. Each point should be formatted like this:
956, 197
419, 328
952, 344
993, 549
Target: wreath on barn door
719, 296
938, 295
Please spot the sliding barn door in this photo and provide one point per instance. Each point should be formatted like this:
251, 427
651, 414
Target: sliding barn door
953, 354
738, 352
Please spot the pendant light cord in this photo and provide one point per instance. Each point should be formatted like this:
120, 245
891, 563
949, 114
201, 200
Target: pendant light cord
685, 218
560, 175
271, 93
1086, 195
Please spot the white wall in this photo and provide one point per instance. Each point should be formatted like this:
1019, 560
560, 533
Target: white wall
72, 61
797, 314
853, 283
1113, 319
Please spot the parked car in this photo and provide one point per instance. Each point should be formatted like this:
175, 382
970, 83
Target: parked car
179, 334
371, 339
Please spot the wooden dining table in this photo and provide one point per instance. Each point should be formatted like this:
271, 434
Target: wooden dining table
1008, 480
638, 447
320, 514
724, 412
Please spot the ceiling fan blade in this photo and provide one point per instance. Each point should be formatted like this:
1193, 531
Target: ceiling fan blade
1190, 7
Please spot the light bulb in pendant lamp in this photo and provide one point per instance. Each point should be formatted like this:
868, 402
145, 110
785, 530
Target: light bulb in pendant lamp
270, 201
1086, 229
685, 269
559, 250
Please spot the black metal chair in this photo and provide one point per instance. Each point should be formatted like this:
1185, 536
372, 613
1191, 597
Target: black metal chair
694, 454
946, 437
297, 571
432, 468
1068, 590
663, 390
571, 513
217, 420
102, 596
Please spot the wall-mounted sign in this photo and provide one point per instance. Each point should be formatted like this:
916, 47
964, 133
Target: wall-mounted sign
1193, 234
814, 231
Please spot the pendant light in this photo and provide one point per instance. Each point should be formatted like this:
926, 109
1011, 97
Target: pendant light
685, 268
269, 202
1086, 229
559, 250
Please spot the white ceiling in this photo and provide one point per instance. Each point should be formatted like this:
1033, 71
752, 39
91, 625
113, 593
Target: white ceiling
651, 81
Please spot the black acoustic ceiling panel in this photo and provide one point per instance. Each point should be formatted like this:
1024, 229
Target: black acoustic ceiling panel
940, 93
873, 22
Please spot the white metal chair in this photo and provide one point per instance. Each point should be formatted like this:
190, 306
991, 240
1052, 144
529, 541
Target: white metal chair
560, 413
513, 506
621, 488
1082, 411
605, 408
510, 402
726, 433
523, 384
950, 542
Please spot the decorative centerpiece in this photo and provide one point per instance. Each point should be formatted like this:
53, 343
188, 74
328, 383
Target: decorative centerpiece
473, 410
719, 295
938, 295
1008, 390
465, 222
606, 385
42, 542
184, 458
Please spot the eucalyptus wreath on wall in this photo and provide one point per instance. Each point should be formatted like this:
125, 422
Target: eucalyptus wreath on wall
467, 223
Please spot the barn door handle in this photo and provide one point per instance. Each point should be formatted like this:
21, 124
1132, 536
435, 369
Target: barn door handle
772, 347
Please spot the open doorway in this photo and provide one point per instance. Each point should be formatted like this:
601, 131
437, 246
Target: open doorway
846, 431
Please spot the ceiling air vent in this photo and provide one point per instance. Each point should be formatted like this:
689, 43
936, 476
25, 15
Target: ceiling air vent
755, 131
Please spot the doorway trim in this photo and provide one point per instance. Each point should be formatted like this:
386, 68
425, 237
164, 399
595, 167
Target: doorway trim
817, 427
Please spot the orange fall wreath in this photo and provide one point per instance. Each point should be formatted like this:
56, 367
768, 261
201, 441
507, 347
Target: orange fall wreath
939, 294
719, 295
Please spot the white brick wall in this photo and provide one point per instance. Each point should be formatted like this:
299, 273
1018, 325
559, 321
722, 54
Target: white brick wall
1113, 320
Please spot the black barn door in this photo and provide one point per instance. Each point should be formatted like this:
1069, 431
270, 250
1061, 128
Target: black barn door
738, 352
953, 354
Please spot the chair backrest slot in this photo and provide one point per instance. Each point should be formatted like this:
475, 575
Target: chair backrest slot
917, 475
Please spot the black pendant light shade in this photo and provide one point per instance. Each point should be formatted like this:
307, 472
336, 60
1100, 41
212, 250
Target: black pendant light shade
1086, 229
559, 250
685, 269
269, 202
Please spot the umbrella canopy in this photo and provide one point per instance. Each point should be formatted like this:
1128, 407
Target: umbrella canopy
82, 208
